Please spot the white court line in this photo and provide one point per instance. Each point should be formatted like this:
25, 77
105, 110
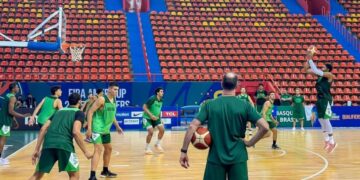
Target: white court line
120, 165
321, 170
14, 153
283, 153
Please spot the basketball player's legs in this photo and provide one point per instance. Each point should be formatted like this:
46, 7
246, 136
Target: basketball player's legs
322, 106
301, 123
238, 171
36, 176
3, 161
98, 148
161, 129
106, 157
214, 172
150, 131
74, 175
294, 124
274, 131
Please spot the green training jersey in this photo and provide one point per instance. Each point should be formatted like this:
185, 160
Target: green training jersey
60, 132
47, 109
287, 102
268, 113
298, 102
244, 97
5, 117
154, 105
104, 117
227, 117
323, 88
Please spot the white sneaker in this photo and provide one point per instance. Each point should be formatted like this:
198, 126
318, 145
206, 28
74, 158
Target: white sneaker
148, 151
302, 129
4, 161
293, 129
159, 148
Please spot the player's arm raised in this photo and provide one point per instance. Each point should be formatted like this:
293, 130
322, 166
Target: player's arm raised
97, 104
39, 141
36, 111
78, 137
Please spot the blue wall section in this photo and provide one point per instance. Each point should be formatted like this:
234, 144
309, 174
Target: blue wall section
136, 51
336, 8
158, 5
113, 5
150, 47
338, 36
293, 6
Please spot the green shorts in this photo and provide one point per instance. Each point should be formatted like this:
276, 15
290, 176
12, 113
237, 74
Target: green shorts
5, 131
323, 107
272, 125
238, 171
98, 138
67, 161
148, 123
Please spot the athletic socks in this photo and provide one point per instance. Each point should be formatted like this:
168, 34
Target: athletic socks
331, 139
147, 146
326, 136
158, 142
105, 169
274, 142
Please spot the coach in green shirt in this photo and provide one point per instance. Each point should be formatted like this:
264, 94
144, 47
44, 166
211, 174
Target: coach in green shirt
227, 116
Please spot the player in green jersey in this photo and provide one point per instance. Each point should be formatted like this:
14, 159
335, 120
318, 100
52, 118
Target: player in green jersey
48, 106
152, 119
101, 117
298, 109
227, 117
56, 137
8, 116
267, 115
243, 95
324, 97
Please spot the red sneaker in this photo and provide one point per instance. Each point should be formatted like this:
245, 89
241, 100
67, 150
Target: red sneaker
331, 147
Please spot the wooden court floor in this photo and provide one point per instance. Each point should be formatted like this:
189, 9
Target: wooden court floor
301, 157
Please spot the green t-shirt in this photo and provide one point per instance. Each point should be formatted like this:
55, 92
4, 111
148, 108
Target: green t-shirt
227, 117
260, 97
244, 97
6, 118
47, 109
60, 132
286, 102
103, 118
154, 105
298, 101
323, 87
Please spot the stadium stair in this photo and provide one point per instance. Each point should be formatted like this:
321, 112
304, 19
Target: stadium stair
158, 5
338, 36
293, 6
136, 51
336, 8
113, 5
150, 47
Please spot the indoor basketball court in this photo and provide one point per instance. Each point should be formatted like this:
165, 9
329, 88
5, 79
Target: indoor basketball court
292, 61
301, 157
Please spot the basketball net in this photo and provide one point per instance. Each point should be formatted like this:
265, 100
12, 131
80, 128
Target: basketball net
76, 51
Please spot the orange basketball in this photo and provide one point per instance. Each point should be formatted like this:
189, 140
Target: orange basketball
201, 139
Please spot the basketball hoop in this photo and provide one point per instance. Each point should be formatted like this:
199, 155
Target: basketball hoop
76, 51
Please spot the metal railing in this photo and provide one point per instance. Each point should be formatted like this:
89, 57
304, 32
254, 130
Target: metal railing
351, 38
